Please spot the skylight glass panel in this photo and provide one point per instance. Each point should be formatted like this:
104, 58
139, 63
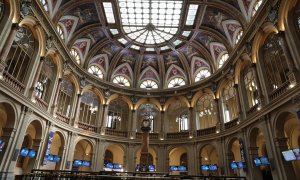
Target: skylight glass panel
177, 42
186, 33
135, 47
164, 48
122, 40
193, 8
109, 13
114, 31
150, 21
150, 49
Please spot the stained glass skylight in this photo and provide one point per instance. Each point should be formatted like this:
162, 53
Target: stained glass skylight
150, 22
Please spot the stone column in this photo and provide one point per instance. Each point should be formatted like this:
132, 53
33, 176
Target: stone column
8, 44
131, 161
43, 145
219, 111
7, 137
55, 94
192, 123
261, 100
255, 171
293, 74
70, 151
104, 119
134, 121
77, 112
61, 152
239, 108
162, 125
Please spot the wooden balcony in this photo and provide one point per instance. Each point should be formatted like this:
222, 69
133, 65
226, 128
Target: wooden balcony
113, 132
279, 91
231, 123
206, 131
87, 127
41, 103
62, 117
13, 82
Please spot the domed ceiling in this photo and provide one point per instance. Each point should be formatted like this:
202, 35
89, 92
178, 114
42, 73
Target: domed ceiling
151, 43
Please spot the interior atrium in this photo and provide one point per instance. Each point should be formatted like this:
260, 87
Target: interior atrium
218, 80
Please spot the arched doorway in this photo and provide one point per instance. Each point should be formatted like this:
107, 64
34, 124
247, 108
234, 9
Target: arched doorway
114, 155
152, 159
30, 147
7, 122
209, 158
288, 138
83, 156
178, 157
235, 158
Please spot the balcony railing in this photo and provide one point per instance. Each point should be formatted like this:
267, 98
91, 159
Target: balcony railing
13, 82
231, 123
62, 117
87, 127
252, 110
113, 132
178, 135
41, 103
280, 90
207, 131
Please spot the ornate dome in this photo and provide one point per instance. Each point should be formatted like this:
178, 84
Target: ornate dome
151, 44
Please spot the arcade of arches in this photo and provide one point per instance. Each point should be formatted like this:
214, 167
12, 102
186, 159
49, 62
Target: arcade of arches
220, 81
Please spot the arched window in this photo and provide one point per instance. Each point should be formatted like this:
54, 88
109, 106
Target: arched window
88, 108
96, 71
149, 84
251, 88
223, 59
65, 98
239, 36
256, 6
275, 64
206, 111
60, 32
75, 54
176, 82
121, 80
117, 115
229, 101
45, 80
20, 55
202, 74
182, 121
45, 4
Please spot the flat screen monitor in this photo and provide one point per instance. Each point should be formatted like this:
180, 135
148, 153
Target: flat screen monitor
213, 167
288, 155
77, 163
86, 163
31, 153
173, 168
109, 165
117, 166
257, 162
297, 153
241, 165
56, 158
24, 152
264, 160
182, 168
233, 165
204, 168
2, 143
50, 157
151, 168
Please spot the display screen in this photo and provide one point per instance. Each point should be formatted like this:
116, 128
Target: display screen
182, 168
288, 155
50, 157
233, 165
32, 153
109, 165
24, 152
264, 160
297, 153
257, 162
56, 158
173, 168
2, 143
213, 167
241, 165
117, 166
204, 168
86, 163
151, 168
77, 163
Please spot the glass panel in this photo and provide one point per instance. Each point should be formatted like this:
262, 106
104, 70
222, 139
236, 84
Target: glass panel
150, 15
202, 74
109, 13
176, 82
149, 84
191, 14
223, 59
95, 70
121, 80
75, 54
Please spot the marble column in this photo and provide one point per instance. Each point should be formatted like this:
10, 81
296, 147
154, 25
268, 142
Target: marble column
55, 93
77, 112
